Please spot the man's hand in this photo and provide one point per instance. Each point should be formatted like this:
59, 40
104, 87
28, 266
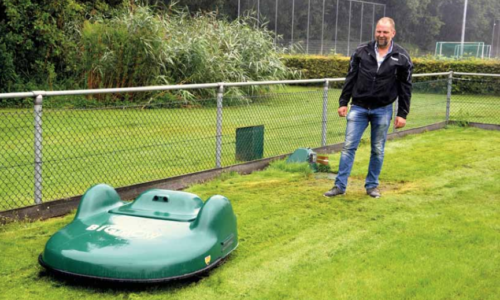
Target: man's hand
342, 111
399, 122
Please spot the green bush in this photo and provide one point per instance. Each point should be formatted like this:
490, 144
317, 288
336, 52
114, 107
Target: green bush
313, 67
8, 74
37, 44
337, 66
33, 44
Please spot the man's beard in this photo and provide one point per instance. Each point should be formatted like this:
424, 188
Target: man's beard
382, 43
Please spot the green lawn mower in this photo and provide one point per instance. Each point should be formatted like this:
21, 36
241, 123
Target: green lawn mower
162, 235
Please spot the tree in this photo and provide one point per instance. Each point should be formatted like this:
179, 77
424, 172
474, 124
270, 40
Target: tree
423, 22
36, 42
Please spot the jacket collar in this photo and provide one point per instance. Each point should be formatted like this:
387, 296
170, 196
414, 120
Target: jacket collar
394, 48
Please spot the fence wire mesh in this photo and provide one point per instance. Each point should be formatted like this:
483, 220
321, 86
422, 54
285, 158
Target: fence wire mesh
124, 145
16, 158
428, 103
288, 120
316, 26
128, 144
467, 106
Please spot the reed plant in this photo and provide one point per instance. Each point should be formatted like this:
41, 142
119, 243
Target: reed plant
141, 47
124, 51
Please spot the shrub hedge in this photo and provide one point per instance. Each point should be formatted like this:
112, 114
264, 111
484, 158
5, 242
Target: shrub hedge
312, 67
337, 66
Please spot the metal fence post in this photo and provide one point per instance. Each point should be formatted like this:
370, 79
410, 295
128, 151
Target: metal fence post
325, 115
373, 19
322, 27
349, 31
336, 25
361, 26
218, 136
258, 12
308, 21
293, 14
448, 97
276, 22
38, 148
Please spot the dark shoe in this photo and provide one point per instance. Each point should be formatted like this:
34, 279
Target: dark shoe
334, 192
375, 193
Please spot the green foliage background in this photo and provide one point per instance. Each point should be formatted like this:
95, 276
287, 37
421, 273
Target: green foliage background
37, 40
68, 44
72, 44
423, 22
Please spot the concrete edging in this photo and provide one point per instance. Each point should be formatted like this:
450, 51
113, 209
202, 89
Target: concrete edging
479, 125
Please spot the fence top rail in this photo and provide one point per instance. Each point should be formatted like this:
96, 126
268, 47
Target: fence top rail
432, 74
162, 88
201, 86
476, 74
373, 3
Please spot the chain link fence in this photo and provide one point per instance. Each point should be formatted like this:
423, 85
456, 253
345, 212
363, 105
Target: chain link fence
339, 26
315, 26
468, 107
52, 151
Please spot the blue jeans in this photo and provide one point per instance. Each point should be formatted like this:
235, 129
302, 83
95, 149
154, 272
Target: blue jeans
357, 121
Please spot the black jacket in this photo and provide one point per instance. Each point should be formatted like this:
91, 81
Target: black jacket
372, 87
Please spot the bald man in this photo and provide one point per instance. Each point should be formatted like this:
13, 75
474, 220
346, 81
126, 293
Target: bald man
379, 73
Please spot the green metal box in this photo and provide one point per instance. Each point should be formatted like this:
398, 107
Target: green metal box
249, 143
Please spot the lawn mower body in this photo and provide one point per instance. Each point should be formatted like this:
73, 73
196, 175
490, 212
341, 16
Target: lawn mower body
160, 236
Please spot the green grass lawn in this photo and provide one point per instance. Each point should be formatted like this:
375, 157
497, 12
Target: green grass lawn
435, 233
132, 145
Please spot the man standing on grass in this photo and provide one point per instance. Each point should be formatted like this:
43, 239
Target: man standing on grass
379, 73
